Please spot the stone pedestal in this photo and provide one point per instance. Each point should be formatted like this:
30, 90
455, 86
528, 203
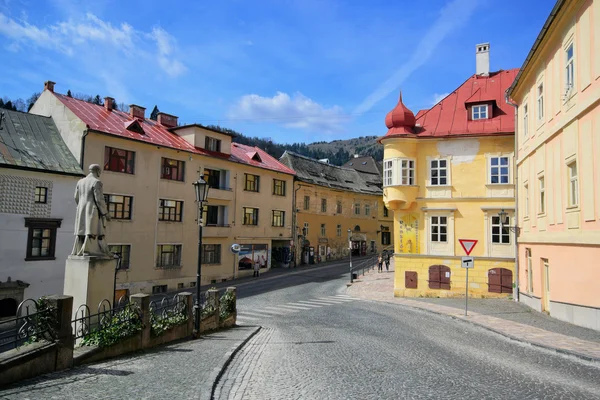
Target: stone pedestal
89, 280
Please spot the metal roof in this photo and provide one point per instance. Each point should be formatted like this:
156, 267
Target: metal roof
33, 142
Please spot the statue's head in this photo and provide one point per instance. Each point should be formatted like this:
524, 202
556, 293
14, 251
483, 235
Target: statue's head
95, 170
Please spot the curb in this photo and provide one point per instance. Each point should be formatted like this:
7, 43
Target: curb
218, 371
512, 337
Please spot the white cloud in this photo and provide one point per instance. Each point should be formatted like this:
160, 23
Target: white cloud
437, 97
452, 16
297, 111
74, 37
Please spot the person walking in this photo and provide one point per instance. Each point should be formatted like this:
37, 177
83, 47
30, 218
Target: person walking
387, 261
256, 268
380, 263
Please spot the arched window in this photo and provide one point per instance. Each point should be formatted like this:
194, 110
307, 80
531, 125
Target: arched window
500, 280
439, 277
357, 228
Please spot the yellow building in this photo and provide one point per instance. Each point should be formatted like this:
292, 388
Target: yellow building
148, 170
334, 204
448, 175
557, 93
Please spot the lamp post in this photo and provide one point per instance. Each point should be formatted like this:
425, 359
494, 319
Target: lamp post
201, 189
350, 247
304, 232
117, 268
516, 229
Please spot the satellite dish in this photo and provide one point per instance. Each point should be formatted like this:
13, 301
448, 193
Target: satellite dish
235, 248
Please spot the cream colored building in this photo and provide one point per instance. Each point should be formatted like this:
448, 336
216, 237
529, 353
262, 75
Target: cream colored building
148, 170
558, 151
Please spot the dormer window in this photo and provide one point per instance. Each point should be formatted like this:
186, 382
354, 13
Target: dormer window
212, 144
479, 112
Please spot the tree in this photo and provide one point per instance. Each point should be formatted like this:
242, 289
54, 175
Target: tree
20, 105
69, 93
154, 113
31, 100
97, 100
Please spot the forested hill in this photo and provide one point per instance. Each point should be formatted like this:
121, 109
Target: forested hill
337, 151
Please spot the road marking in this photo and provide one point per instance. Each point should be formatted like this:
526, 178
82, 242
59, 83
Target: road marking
343, 296
243, 316
277, 310
333, 301
312, 303
257, 313
295, 308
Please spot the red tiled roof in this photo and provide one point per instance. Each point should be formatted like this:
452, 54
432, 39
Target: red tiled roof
242, 153
116, 122
449, 116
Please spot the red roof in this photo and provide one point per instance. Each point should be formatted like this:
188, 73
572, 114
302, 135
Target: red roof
247, 155
449, 117
116, 122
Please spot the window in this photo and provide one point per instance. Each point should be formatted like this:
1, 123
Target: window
168, 255
480, 112
542, 189
278, 187
338, 208
180, 285
367, 209
211, 215
159, 289
439, 229
305, 229
500, 230
573, 185
323, 205
386, 238
213, 178
338, 230
211, 254
41, 238
540, 101
357, 209
526, 205
250, 216
499, 173
323, 230
569, 69
398, 171
439, 172
170, 210
193, 284
118, 160
124, 250
119, 207
525, 120
41, 194
172, 169
529, 270
306, 202
251, 184
212, 144
385, 211
278, 218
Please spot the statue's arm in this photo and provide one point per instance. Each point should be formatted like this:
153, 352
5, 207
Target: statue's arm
77, 194
99, 198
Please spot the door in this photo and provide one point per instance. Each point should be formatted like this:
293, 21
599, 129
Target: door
500, 280
439, 277
545, 285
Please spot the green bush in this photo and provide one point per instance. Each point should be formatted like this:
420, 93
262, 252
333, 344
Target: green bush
123, 324
168, 321
227, 305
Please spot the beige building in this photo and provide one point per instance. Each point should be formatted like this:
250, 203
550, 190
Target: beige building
148, 170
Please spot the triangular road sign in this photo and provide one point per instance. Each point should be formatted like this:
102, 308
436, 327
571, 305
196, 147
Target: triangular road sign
467, 245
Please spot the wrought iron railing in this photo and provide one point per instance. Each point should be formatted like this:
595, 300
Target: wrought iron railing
86, 323
167, 307
34, 321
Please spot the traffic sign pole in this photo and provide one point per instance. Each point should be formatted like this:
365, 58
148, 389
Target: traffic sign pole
467, 293
467, 263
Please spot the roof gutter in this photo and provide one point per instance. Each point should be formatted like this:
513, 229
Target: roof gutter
538, 41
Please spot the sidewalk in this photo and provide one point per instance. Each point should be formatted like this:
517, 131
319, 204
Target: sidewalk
506, 317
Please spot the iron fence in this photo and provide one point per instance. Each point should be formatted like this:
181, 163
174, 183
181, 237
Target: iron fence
86, 323
168, 307
33, 322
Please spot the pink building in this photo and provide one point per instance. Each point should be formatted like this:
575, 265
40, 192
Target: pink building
557, 96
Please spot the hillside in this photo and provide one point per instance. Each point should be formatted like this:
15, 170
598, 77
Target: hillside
337, 151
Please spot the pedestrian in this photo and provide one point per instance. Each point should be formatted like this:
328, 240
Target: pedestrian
256, 269
380, 263
387, 261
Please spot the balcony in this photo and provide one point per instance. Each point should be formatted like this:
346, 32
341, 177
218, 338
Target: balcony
220, 193
216, 231
400, 197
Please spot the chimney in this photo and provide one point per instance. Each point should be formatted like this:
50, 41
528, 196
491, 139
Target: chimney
109, 103
168, 120
49, 85
137, 111
482, 59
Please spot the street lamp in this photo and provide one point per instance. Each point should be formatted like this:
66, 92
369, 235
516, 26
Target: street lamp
201, 189
350, 247
503, 214
117, 268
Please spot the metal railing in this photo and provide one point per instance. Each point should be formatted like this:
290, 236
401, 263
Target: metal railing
362, 265
31, 324
86, 323
168, 307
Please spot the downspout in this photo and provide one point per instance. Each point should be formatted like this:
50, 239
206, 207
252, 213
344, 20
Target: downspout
516, 183
295, 222
82, 152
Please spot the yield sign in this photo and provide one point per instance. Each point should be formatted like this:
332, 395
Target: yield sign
467, 245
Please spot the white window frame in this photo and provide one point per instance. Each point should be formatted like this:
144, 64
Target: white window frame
323, 230
437, 168
569, 70
435, 221
499, 172
525, 120
356, 208
540, 101
529, 270
526, 205
573, 185
339, 230
542, 193
306, 226
479, 112
399, 172
503, 235
367, 209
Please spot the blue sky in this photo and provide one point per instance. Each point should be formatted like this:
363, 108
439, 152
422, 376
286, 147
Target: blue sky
293, 71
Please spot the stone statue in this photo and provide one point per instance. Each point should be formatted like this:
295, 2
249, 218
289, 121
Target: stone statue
91, 216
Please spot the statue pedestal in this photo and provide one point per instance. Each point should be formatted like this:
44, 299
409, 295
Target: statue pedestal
89, 280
